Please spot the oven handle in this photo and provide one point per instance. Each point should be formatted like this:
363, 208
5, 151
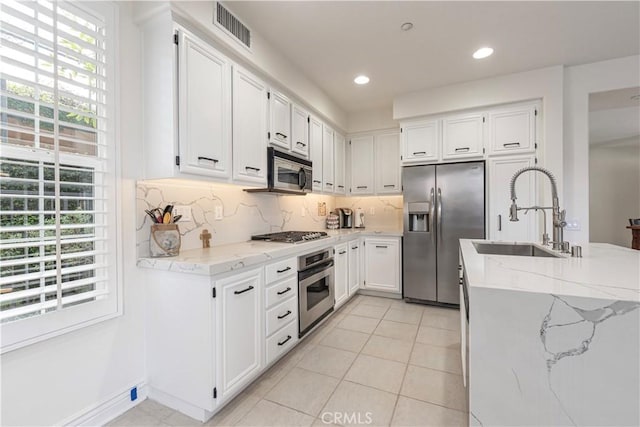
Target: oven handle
304, 274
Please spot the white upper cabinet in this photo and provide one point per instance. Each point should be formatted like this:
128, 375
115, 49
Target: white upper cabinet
299, 131
204, 92
462, 136
315, 140
249, 128
328, 178
362, 156
280, 120
513, 129
339, 164
420, 141
387, 155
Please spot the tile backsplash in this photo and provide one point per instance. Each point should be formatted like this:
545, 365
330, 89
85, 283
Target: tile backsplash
245, 214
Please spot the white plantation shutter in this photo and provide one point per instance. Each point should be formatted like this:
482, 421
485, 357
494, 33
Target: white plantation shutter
57, 180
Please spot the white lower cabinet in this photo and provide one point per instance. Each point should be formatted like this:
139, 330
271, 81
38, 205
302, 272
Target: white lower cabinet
281, 308
382, 264
354, 266
341, 278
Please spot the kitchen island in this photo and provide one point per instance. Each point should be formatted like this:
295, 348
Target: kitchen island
553, 341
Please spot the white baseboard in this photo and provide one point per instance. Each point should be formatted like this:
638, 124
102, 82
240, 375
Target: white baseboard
108, 410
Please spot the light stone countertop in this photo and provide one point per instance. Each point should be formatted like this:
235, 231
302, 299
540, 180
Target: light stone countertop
226, 258
605, 272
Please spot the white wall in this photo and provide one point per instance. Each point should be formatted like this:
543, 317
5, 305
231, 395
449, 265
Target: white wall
614, 190
59, 379
580, 81
370, 120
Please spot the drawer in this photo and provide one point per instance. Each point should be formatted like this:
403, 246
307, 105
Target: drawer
281, 314
281, 291
281, 269
282, 341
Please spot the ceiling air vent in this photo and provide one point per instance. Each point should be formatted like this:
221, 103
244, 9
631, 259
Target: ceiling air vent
232, 25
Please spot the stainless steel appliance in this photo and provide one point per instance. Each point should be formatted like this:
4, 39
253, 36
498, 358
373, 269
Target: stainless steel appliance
315, 288
442, 204
346, 217
291, 236
286, 174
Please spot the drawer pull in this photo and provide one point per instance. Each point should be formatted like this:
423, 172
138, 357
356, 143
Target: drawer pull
340, 186
389, 185
316, 181
342, 252
421, 153
208, 158
462, 149
329, 184
381, 247
285, 315
243, 291
301, 143
283, 270
511, 144
252, 168
354, 248
284, 292
285, 341
281, 135
362, 186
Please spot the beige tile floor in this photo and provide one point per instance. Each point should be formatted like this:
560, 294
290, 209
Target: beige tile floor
376, 361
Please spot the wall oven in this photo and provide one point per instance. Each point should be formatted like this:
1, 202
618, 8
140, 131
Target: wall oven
287, 173
315, 288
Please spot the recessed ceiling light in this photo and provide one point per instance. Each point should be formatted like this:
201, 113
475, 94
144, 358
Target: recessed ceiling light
483, 52
361, 80
406, 26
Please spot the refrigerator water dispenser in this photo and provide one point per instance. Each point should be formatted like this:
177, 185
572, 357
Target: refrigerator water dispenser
419, 216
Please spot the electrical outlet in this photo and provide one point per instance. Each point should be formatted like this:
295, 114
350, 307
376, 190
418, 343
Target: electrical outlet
185, 211
572, 225
133, 393
218, 213
303, 211
372, 211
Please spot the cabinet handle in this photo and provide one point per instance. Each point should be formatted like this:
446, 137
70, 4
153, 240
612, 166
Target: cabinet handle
316, 181
462, 149
329, 184
511, 144
354, 248
285, 315
389, 185
285, 341
499, 222
208, 158
342, 252
362, 186
284, 292
281, 135
252, 168
283, 270
422, 153
340, 186
243, 291
301, 143
381, 247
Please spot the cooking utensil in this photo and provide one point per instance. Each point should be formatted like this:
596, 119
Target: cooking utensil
152, 215
176, 219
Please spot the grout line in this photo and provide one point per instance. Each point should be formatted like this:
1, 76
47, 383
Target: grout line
404, 377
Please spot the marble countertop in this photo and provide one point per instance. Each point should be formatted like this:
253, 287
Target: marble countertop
604, 272
225, 258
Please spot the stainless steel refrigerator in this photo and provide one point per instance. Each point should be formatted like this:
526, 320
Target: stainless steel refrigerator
442, 204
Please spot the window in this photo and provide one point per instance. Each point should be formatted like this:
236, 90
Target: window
57, 169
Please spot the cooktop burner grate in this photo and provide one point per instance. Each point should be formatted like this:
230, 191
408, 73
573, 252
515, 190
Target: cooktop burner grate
291, 236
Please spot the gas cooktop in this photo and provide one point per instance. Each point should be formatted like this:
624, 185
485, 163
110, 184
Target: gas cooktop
291, 236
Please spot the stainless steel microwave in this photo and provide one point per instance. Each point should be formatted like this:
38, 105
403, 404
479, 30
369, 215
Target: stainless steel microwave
287, 173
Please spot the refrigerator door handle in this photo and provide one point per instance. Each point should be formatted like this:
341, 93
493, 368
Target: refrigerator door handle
439, 231
432, 210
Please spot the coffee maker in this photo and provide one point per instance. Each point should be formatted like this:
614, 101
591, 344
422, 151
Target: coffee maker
346, 217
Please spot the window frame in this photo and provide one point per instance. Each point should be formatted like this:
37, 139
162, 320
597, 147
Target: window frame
31, 330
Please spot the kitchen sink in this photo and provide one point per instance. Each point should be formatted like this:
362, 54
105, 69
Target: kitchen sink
515, 249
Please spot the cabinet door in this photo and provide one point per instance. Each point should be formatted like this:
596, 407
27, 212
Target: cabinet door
500, 172
341, 283
328, 178
421, 142
382, 265
512, 130
339, 164
299, 131
204, 91
280, 120
239, 328
315, 139
362, 165
249, 128
354, 266
387, 155
462, 136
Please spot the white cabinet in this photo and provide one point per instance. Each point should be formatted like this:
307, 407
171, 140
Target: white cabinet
362, 157
315, 139
513, 129
328, 178
299, 131
280, 120
239, 326
387, 157
354, 266
420, 141
204, 92
249, 128
462, 136
382, 264
339, 164
341, 276
501, 170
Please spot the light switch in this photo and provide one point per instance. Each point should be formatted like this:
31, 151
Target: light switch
218, 213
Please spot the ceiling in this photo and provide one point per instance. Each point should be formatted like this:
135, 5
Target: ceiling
614, 115
332, 42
